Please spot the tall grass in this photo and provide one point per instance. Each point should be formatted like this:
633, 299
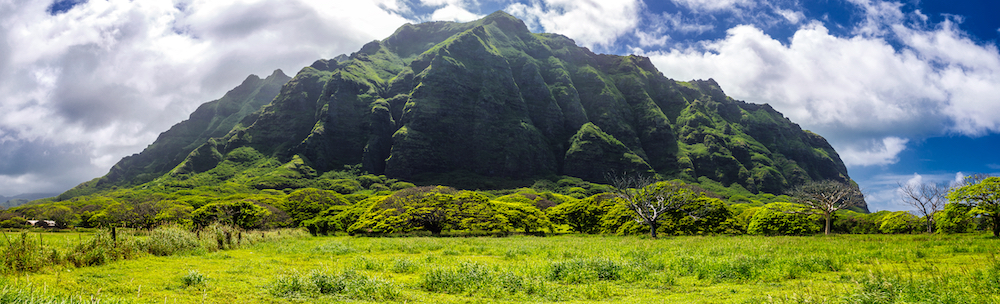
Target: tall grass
22, 253
16, 293
347, 284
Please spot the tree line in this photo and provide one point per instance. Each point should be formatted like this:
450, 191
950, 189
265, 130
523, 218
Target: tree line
630, 205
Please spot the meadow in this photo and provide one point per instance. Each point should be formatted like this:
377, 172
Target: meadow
564, 268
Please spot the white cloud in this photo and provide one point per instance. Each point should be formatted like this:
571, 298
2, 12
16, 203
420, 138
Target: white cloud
589, 23
873, 153
714, 5
916, 180
101, 80
959, 179
794, 17
451, 10
882, 191
454, 13
860, 92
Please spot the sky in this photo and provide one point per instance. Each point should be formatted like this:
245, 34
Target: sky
906, 91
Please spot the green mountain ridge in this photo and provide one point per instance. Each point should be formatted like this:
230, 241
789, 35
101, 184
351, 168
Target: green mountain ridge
486, 98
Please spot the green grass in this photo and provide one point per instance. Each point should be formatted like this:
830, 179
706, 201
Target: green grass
566, 269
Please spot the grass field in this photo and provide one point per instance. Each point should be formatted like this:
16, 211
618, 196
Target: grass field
566, 269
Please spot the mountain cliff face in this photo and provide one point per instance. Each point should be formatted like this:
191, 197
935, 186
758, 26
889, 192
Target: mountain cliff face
492, 99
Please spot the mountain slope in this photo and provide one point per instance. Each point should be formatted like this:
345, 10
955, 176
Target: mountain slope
211, 119
489, 98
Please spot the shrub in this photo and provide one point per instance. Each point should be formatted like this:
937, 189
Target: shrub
467, 277
24, 254
193, 278
167, 240
288, 286
899, 222
585, 270
770, 220
104, 248
404, 265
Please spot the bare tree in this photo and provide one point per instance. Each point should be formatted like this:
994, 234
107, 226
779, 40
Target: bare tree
649, 200
927, 198
825, 198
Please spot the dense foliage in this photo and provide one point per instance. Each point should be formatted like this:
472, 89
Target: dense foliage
350, 201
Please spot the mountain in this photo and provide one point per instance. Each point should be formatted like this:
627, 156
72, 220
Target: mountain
487, 99
20, 199
211, 120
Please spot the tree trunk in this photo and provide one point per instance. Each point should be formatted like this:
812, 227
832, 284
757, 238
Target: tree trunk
930, 224
827, 224
652, 230
996, 225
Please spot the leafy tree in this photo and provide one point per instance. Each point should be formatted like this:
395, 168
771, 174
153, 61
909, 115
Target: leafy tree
649, 201
431, 208
523, 216
955, 218
702, 215
899, 222
983, 196
14, 222
62, 215
775, 219
926, 198
584, 215
825, 198
304, 204
243, 214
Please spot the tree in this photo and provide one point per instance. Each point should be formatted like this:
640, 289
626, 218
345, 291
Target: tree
304, 204
983, 196
242, 214
899, 222
431, 208
775, 219
650, 201
62, 215
825, 198
926, 198
583, 215
954, 218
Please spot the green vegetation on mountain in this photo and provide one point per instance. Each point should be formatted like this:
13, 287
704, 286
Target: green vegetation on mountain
484, 104
175, 146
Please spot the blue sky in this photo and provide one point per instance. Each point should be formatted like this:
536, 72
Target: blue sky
906, 91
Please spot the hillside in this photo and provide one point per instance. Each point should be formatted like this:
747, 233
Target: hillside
447, 102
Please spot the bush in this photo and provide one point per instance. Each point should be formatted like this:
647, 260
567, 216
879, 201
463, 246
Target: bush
167, 240
587, 270
104, 248
348, 283
193, 278
899, 222
771, 220
24, 254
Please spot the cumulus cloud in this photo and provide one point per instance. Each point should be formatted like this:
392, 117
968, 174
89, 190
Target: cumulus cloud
875, 153
451, 10
98, 80
916, 180
867, 96
589, 23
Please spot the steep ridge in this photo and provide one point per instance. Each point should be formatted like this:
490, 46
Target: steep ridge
211, 119
489, 98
